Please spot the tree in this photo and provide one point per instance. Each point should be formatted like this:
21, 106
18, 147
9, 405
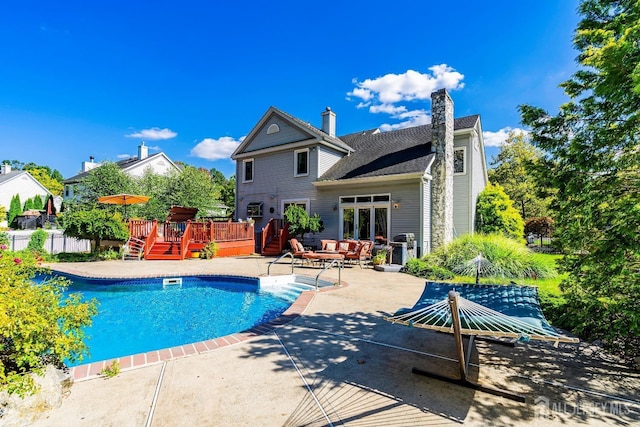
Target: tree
300, 223
227, 187
594, 148
95, 225
15, 209
48, 179
495, 214
105, 180
514, 171
194, 188
39, 325
157, 188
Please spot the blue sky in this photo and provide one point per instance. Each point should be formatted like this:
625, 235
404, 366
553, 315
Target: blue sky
80, 79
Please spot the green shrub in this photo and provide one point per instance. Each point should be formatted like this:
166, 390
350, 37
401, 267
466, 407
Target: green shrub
422, 268
109, 254
37, 240
209, 251
495, 214
38, 324
505, 257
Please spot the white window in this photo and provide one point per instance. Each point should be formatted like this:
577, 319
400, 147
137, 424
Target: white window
254, 210
365, 217
303, 203
301, 162
247, 170
460, 161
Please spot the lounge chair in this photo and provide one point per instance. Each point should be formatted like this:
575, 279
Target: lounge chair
298, 250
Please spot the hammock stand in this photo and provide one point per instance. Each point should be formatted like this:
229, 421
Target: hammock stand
445, 316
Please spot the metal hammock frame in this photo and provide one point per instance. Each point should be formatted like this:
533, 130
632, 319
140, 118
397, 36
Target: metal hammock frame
460, 316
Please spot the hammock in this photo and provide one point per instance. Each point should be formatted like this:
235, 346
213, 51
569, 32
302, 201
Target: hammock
524, 320
506, 311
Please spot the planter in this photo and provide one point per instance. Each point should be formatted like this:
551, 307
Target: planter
195, 254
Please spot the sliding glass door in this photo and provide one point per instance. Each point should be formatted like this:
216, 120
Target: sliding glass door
365, 217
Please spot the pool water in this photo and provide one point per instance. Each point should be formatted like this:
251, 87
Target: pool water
136, 316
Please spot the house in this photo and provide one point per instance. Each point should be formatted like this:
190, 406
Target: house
21, 183
366, 185
160, 163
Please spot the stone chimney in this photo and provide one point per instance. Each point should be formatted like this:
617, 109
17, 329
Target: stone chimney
329, 122
143, 151
87, 166
442, 168
6, 168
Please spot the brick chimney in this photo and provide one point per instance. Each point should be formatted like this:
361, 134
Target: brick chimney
143, 151
329, 122
442, 168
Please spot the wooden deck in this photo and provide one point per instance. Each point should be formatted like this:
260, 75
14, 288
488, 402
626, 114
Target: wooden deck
177, 240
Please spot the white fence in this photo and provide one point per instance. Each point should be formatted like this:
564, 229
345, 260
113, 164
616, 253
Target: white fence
56, 242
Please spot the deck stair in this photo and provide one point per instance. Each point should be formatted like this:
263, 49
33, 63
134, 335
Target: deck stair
272, 248
133, 249
165, 250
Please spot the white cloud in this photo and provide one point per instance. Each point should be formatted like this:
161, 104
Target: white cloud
414, 118
123, 156
494, 139
153, 134
385, 94
216, 149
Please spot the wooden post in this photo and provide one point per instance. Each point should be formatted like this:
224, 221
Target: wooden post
455, 318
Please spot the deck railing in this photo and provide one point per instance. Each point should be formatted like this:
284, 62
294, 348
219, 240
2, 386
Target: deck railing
196, 231
184, 241
151, 237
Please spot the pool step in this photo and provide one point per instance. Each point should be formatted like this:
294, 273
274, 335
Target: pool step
289, 291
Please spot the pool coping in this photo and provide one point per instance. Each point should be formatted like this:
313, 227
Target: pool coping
94, 369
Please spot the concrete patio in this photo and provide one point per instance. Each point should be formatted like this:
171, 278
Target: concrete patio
341, 363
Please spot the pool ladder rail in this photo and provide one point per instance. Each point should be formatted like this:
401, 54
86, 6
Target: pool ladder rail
337, 262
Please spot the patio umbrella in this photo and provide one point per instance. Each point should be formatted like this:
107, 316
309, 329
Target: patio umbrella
123, 199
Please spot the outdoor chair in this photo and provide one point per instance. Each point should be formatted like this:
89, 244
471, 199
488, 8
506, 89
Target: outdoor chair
361, 253
329, 245
298, 250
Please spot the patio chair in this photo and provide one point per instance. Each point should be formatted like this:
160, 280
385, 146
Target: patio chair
298, 250
329, 245
361, 253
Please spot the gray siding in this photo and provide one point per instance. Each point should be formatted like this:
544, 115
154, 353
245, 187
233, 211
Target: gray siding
287, 134
326, 159
479, 180
405, 219
461, 191
273, 181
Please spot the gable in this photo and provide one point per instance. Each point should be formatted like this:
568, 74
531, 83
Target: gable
273, 130
159, 163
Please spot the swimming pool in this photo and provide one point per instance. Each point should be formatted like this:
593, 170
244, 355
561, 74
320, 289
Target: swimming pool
141, 315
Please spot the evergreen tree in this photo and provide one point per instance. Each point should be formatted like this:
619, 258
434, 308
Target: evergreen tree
15, 209
37, 203
594, 150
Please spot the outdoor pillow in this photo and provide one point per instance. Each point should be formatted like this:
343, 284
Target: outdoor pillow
331, 246
300, 247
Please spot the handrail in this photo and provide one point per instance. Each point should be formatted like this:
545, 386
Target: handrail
268, 231
328, 267
150, 239
279, 258
184, 240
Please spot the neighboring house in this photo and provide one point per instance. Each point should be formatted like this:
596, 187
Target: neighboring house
366, 185
21, 183
133, 166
